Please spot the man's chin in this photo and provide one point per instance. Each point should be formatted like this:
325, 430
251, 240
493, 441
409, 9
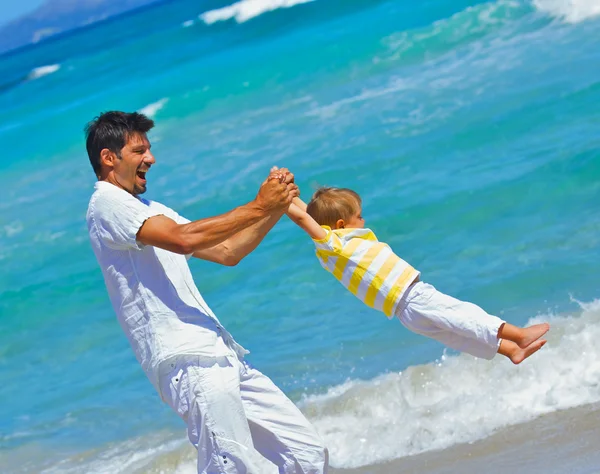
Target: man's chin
139, 189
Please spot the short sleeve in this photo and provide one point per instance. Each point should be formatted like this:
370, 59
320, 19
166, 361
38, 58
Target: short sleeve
119, 217
170, 213
330, 242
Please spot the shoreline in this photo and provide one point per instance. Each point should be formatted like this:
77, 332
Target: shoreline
558, 442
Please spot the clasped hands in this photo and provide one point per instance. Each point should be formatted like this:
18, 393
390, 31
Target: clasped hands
277, 191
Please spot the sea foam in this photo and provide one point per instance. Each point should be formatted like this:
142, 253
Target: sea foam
151, 109
42, 71
459, 399
247, 9
571, 11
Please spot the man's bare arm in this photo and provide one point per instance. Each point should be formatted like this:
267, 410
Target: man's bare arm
233, 250
160, 231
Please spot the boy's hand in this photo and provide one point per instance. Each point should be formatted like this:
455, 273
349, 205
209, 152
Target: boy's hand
283, 174
294, 191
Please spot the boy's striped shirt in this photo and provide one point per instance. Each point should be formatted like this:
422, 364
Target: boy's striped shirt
368, 268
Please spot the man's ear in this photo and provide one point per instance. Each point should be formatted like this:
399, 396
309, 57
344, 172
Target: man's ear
340, 224
107, 158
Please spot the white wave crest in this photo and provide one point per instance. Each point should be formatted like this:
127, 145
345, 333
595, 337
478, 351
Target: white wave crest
246, 9
150, 110
571, 11
42, 71
13, 228
459, 399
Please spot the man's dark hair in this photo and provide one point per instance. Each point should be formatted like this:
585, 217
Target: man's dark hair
112, 130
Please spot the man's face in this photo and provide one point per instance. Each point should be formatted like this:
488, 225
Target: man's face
129, 172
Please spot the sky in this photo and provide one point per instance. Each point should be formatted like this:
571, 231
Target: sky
14, 9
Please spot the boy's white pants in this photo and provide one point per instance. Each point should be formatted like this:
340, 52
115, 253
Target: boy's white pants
457, 324
230, 409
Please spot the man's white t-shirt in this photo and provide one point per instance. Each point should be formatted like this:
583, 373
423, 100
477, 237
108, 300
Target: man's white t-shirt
152, 290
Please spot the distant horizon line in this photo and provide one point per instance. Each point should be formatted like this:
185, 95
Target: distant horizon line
63, 34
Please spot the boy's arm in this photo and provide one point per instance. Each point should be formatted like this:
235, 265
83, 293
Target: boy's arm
300, 203
299, 215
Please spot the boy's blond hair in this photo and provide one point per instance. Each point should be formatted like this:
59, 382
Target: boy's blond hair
328, 205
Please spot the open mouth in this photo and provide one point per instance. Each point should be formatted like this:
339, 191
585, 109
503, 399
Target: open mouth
142, 175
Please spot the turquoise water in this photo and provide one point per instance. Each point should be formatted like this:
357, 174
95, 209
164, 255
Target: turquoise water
469, 129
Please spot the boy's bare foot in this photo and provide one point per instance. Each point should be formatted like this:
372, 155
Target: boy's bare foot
531, 334
515, 353
522, 336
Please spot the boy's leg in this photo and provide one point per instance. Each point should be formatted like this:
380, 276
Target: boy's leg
206, 394
280, 431
460, 325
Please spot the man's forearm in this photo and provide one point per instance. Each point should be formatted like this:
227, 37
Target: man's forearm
205, 234
245, 241
209, 232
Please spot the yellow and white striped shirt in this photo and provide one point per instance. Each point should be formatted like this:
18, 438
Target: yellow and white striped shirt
368, 268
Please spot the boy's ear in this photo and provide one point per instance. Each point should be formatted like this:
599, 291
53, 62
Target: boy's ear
340, 224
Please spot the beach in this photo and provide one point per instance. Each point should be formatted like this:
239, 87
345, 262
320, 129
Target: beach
560, 442
469, 129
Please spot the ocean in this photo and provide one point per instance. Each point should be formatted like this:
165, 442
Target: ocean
469, 128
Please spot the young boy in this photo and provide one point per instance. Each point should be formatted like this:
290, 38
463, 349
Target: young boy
382, 280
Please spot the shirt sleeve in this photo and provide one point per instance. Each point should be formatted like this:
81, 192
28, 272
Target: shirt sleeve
118, 218
170, 213
329, 243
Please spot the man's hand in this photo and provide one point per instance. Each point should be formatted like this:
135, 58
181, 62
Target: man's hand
273, 199
275, 195
283, 174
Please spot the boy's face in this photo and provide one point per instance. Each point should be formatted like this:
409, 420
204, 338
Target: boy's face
356, 221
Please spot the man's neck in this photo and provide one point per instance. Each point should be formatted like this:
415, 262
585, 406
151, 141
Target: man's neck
112, 180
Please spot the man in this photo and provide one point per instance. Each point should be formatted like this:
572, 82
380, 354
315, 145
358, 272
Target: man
193, 362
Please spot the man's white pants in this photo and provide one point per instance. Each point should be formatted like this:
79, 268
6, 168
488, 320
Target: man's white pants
231, 408
457, 324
